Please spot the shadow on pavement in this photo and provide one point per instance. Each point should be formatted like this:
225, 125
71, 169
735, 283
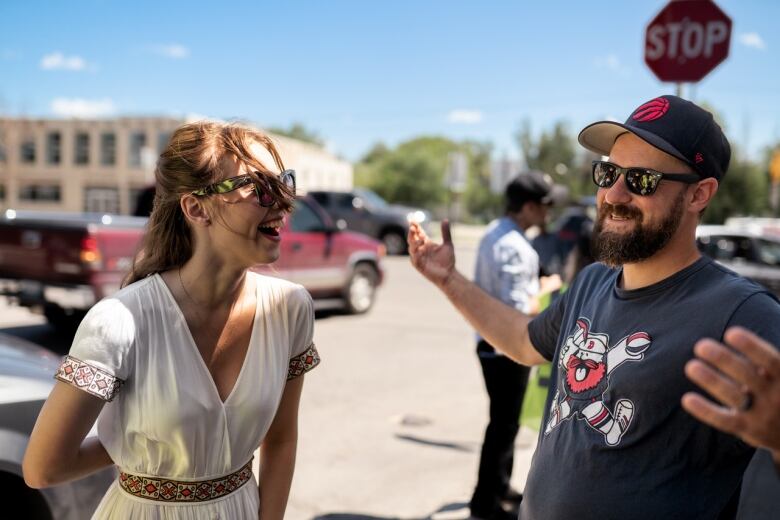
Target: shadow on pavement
352, 516
455, 510
437, 444
44, 335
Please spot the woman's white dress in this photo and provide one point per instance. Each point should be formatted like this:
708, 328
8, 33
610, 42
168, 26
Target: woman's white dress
166, 418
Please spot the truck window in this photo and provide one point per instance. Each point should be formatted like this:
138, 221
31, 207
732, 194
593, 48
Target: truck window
304, 219
343, 201
322, 198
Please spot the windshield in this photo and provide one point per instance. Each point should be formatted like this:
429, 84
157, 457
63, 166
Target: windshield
371, 198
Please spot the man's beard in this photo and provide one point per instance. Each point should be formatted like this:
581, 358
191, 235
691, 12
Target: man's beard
616, 249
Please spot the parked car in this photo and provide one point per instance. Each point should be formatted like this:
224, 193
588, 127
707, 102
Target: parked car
366, 212
26, 378
61, 264
744, 251
339, 268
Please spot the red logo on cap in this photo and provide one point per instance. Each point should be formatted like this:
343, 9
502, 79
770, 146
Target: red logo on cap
651, 110
699, 158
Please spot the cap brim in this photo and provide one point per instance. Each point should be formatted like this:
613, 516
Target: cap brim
600, 137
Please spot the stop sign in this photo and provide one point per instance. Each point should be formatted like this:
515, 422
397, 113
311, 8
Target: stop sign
686, 40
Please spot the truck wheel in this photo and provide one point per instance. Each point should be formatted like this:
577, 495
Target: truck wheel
360, 292
395, 243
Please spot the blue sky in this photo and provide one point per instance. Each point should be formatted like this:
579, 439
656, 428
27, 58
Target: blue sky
359, 72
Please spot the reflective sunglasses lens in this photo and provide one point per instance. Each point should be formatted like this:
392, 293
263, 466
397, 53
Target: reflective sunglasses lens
604, 174
641, 182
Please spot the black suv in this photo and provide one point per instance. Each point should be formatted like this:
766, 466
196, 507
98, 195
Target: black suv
366, 212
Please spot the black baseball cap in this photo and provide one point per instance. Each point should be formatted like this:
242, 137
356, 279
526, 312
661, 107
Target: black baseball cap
673, 125
531, 185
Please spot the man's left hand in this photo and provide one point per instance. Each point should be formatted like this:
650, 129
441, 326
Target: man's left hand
746, 380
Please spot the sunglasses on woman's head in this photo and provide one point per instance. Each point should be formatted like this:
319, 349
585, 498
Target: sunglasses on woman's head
265, 197
640, 181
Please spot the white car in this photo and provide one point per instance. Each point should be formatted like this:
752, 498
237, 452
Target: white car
744, 250
26, 378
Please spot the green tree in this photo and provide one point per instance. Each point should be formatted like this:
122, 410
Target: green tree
555, 152
412, 173
480, 203
300, 132
744, 191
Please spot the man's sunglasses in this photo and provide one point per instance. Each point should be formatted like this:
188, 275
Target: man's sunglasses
265, 196
641, 181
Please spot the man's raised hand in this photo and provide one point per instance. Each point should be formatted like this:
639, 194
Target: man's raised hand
435, 261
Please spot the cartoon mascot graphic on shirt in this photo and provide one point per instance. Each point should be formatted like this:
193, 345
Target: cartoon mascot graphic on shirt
585, 362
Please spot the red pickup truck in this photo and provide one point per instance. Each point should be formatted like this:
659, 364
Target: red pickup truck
62, 264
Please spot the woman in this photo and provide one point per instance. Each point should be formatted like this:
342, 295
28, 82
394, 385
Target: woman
197, 360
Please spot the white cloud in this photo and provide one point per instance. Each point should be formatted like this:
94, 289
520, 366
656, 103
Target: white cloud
466, 117
174, 51
82, 108
58, 61
611, 62
752, 40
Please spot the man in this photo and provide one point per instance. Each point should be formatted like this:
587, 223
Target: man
507, 269
616, 442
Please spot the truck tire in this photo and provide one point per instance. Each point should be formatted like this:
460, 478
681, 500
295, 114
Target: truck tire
395, 242
25, 499
360, 291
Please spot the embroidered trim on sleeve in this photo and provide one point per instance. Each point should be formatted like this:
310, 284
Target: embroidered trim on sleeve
89, 378
303, 363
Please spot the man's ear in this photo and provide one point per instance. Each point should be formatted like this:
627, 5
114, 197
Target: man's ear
195, 210
703, 192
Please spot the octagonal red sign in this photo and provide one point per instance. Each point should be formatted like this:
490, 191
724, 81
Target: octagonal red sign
686, 40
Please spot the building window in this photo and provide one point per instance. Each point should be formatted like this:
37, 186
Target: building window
162, 141
137, 143
53, 147
2, 192
101, 200
81, 148
37, 193
2, 148
27, 150
108, 149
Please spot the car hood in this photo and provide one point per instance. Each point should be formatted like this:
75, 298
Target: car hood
26, 370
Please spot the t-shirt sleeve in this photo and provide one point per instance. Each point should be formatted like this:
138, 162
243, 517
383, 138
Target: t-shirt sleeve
98, 362
544, 329
303, 352
760, 314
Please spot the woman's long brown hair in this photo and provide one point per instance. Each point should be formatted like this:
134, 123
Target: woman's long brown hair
190, 161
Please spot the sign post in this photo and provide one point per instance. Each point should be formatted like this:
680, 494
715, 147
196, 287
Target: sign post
686, 40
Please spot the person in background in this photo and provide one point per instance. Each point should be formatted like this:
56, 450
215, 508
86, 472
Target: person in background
197, 361
507, 268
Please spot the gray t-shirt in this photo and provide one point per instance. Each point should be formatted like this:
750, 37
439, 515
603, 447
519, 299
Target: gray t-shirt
615, 441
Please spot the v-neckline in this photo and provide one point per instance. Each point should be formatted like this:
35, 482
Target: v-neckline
196, 351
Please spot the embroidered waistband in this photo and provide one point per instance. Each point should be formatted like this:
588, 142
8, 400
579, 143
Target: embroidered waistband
168, 490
